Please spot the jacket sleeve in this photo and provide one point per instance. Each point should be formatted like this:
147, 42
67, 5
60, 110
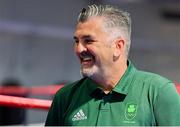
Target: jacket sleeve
54, 117
167, 106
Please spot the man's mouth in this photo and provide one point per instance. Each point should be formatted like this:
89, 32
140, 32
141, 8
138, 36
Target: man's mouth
87, 59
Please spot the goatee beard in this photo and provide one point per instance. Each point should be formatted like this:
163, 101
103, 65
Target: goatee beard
86, 72
93, 73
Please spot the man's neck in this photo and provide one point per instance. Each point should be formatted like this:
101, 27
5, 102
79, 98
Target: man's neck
110, 80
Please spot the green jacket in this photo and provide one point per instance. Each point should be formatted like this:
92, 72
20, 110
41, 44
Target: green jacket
139, 99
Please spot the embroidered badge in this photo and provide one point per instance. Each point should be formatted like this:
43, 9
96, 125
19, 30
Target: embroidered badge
130, 111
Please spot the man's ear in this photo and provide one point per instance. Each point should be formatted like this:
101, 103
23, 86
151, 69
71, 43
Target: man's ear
119, 47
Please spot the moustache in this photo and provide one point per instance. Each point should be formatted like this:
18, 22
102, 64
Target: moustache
86, 54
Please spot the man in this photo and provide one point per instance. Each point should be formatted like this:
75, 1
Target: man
112, 92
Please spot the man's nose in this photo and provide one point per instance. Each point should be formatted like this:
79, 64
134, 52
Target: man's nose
80, 48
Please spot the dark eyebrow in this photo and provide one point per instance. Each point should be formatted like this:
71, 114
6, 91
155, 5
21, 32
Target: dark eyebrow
84, 37
87, 37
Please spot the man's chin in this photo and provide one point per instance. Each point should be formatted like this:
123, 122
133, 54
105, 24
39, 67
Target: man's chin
86, 72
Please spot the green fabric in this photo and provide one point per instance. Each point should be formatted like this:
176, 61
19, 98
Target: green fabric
139, 98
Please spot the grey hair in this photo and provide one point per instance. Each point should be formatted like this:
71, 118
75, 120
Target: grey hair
114, 18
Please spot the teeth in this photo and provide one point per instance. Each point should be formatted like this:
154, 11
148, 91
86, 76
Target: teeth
86, 59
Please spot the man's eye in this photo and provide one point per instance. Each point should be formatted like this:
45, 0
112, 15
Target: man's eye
88, 41
76, 41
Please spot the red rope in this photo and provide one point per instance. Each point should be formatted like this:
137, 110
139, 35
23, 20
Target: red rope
22, 102
35, 90
177, 87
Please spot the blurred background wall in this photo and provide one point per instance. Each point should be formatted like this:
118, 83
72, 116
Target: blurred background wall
36, 40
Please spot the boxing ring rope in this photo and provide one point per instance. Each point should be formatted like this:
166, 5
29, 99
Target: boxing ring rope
30, 103
35, 90
177, 87
23, 102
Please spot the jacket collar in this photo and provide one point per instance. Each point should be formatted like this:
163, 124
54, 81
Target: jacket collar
123, 84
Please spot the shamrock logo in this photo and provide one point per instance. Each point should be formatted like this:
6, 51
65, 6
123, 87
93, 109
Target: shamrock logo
131, 108
130, 111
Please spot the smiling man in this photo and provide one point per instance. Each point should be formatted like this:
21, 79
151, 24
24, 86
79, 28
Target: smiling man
100, 50
112, 91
